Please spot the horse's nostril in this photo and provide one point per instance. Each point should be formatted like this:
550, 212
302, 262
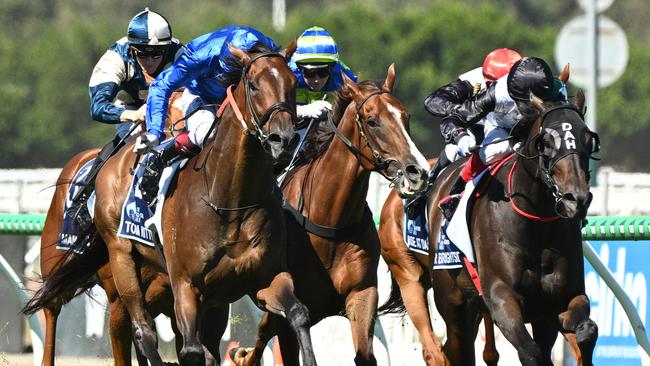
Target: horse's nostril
413, 172
275, 138
569, 196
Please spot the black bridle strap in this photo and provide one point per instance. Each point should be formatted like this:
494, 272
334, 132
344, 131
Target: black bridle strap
355, 150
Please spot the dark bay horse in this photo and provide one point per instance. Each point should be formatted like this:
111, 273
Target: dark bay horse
155, 284
333, 245
525, 228
223, 229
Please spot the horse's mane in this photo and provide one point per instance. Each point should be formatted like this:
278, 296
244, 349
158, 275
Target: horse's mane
236, 67
319, 138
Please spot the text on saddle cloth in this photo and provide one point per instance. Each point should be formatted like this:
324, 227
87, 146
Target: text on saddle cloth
70, 230
138, 221
416, 237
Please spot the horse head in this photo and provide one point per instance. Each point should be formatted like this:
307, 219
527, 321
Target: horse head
563, 145
268, 88
383, 141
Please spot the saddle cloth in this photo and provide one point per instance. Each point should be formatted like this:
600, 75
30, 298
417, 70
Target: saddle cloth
458, 229
138, 221
416, 237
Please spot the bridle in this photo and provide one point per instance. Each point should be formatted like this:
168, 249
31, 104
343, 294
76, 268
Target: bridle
546, 162
256, 122
380, 163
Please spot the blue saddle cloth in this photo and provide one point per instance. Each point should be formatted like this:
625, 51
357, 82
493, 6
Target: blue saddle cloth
416, 237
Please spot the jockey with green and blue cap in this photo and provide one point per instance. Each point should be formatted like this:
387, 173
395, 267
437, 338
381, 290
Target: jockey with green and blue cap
119, 85
318, 68
200, 70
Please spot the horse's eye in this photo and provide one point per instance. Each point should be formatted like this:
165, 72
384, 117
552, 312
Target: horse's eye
372, 122
253, 86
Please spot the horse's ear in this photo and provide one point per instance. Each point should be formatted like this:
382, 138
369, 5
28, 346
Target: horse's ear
536, 101
288, 52
349, 88
240, 54
580, 102
564, 75
390, 78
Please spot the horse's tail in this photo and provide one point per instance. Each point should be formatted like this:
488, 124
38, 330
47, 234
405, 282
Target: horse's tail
394, 304
73, 275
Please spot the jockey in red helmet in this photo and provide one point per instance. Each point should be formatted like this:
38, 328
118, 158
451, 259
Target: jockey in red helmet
500, 108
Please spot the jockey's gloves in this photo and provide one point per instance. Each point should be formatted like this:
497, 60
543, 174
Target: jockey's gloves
145, 143
465, 144
133, 115
313, 110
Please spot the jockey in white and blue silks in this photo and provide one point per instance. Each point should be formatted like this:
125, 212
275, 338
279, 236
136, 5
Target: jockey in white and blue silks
199, 69
118, 88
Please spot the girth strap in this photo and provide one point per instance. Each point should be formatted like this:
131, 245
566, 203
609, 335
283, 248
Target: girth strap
326, 231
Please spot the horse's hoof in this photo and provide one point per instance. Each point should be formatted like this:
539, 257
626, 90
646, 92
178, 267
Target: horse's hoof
238, 354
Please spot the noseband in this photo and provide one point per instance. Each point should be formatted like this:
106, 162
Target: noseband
257, 122
377, 160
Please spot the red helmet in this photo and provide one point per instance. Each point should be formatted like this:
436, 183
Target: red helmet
499, 62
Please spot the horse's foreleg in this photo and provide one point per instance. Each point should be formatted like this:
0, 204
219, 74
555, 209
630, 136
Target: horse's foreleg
506, 312
576, 320
360, 308
128, 286
213, 323
415, 301
545, 333
186, 311
490, 352
49, 348
279, 298
120, 332
266, 329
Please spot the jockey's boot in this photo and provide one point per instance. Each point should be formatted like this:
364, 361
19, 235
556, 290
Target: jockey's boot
449, 204
78, 210
182, 147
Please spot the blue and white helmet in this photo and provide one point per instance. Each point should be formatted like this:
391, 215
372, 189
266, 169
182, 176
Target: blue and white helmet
149, 28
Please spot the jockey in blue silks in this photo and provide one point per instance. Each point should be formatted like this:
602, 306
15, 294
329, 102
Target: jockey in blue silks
199, 69
118, 89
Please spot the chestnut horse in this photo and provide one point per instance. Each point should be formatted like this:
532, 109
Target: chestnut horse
333, 244
411, 279
223, 229
156, 285
525, 229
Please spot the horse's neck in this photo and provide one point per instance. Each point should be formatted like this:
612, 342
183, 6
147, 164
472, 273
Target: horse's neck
239, 169
340, 183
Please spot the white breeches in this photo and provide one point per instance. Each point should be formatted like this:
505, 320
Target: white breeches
494, 152
199, 123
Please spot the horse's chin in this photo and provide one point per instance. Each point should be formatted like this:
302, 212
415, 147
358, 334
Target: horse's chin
571, 210
406, 189
281, 159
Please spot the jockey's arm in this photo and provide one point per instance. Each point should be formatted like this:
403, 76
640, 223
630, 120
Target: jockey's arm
440, 101
184, 69
473, 109
108, 74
